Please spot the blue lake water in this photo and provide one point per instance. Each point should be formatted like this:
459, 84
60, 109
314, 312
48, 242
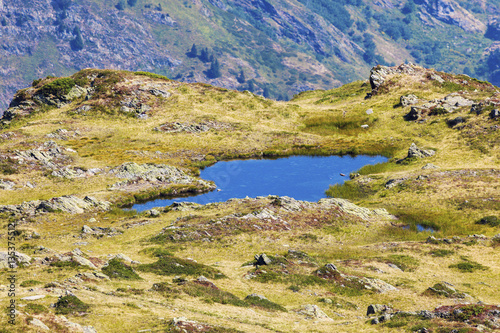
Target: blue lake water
300, 177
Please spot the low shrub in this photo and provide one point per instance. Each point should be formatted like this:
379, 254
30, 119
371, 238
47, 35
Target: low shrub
70, 305
168, 265
492, 221
116, 269
58, 87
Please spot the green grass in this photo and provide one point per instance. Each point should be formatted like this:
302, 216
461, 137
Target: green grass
328, 125
58, 87
212, 295
116, 269
30, 283
168, 265
70, 305
33, 308
468, 266
441, 253
349, 190
404, 262
264, 303
152, 75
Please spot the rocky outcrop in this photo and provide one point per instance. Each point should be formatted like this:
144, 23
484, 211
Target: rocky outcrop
141, 176
7, 261
378, 75
408, 100
312, 311
446, 105
176, 127
415, 152
68, 204
450, 12
348, 207
330, 272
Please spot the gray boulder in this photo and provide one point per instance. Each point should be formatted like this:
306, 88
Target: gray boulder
262, 259
408, 100
376, 309
313, 312
494, 114
416, 152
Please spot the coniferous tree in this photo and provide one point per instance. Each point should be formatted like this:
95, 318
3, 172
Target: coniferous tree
204, 56
120, 5
241, 77
77, 44
214, 71
251, 85
193, 53
131, 3
267, 92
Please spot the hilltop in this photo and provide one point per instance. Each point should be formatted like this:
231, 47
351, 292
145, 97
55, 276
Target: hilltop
273, 48
75, 151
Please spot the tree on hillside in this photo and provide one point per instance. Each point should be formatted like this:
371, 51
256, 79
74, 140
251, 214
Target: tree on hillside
409, 7
77, 44
193, 53
120, 5
241, 78
61, 4
204, 55
131, 3
214, 71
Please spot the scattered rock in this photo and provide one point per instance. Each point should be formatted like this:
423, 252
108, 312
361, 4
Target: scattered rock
153, 213
262, 259
369, 111
394, 182
148, 175
455, 121
69, 204
348, 207
437, 78
7, 261
6, 185
444, 290
39, 324
177, 127
256, 296
313, 312
376, 309
408, 100
83, 262
429, 166
494, 114
32, 298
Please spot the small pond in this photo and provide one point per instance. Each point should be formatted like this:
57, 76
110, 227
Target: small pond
300, 177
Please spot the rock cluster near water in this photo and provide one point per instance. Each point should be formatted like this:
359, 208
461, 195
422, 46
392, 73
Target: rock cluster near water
147, 175
68, 204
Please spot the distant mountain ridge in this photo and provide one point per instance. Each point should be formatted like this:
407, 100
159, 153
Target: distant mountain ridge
272, 47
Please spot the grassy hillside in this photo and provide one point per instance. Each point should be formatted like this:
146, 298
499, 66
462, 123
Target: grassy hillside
77, 136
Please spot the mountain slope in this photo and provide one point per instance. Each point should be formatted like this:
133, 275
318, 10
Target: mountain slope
276, 48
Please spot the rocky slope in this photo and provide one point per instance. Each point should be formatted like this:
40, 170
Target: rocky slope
282, 47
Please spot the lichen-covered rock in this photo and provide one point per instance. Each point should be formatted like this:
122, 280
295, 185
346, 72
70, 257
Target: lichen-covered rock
312, 312
408, 100
68, 204
7, 261
348, 207
154, 174
415, 152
